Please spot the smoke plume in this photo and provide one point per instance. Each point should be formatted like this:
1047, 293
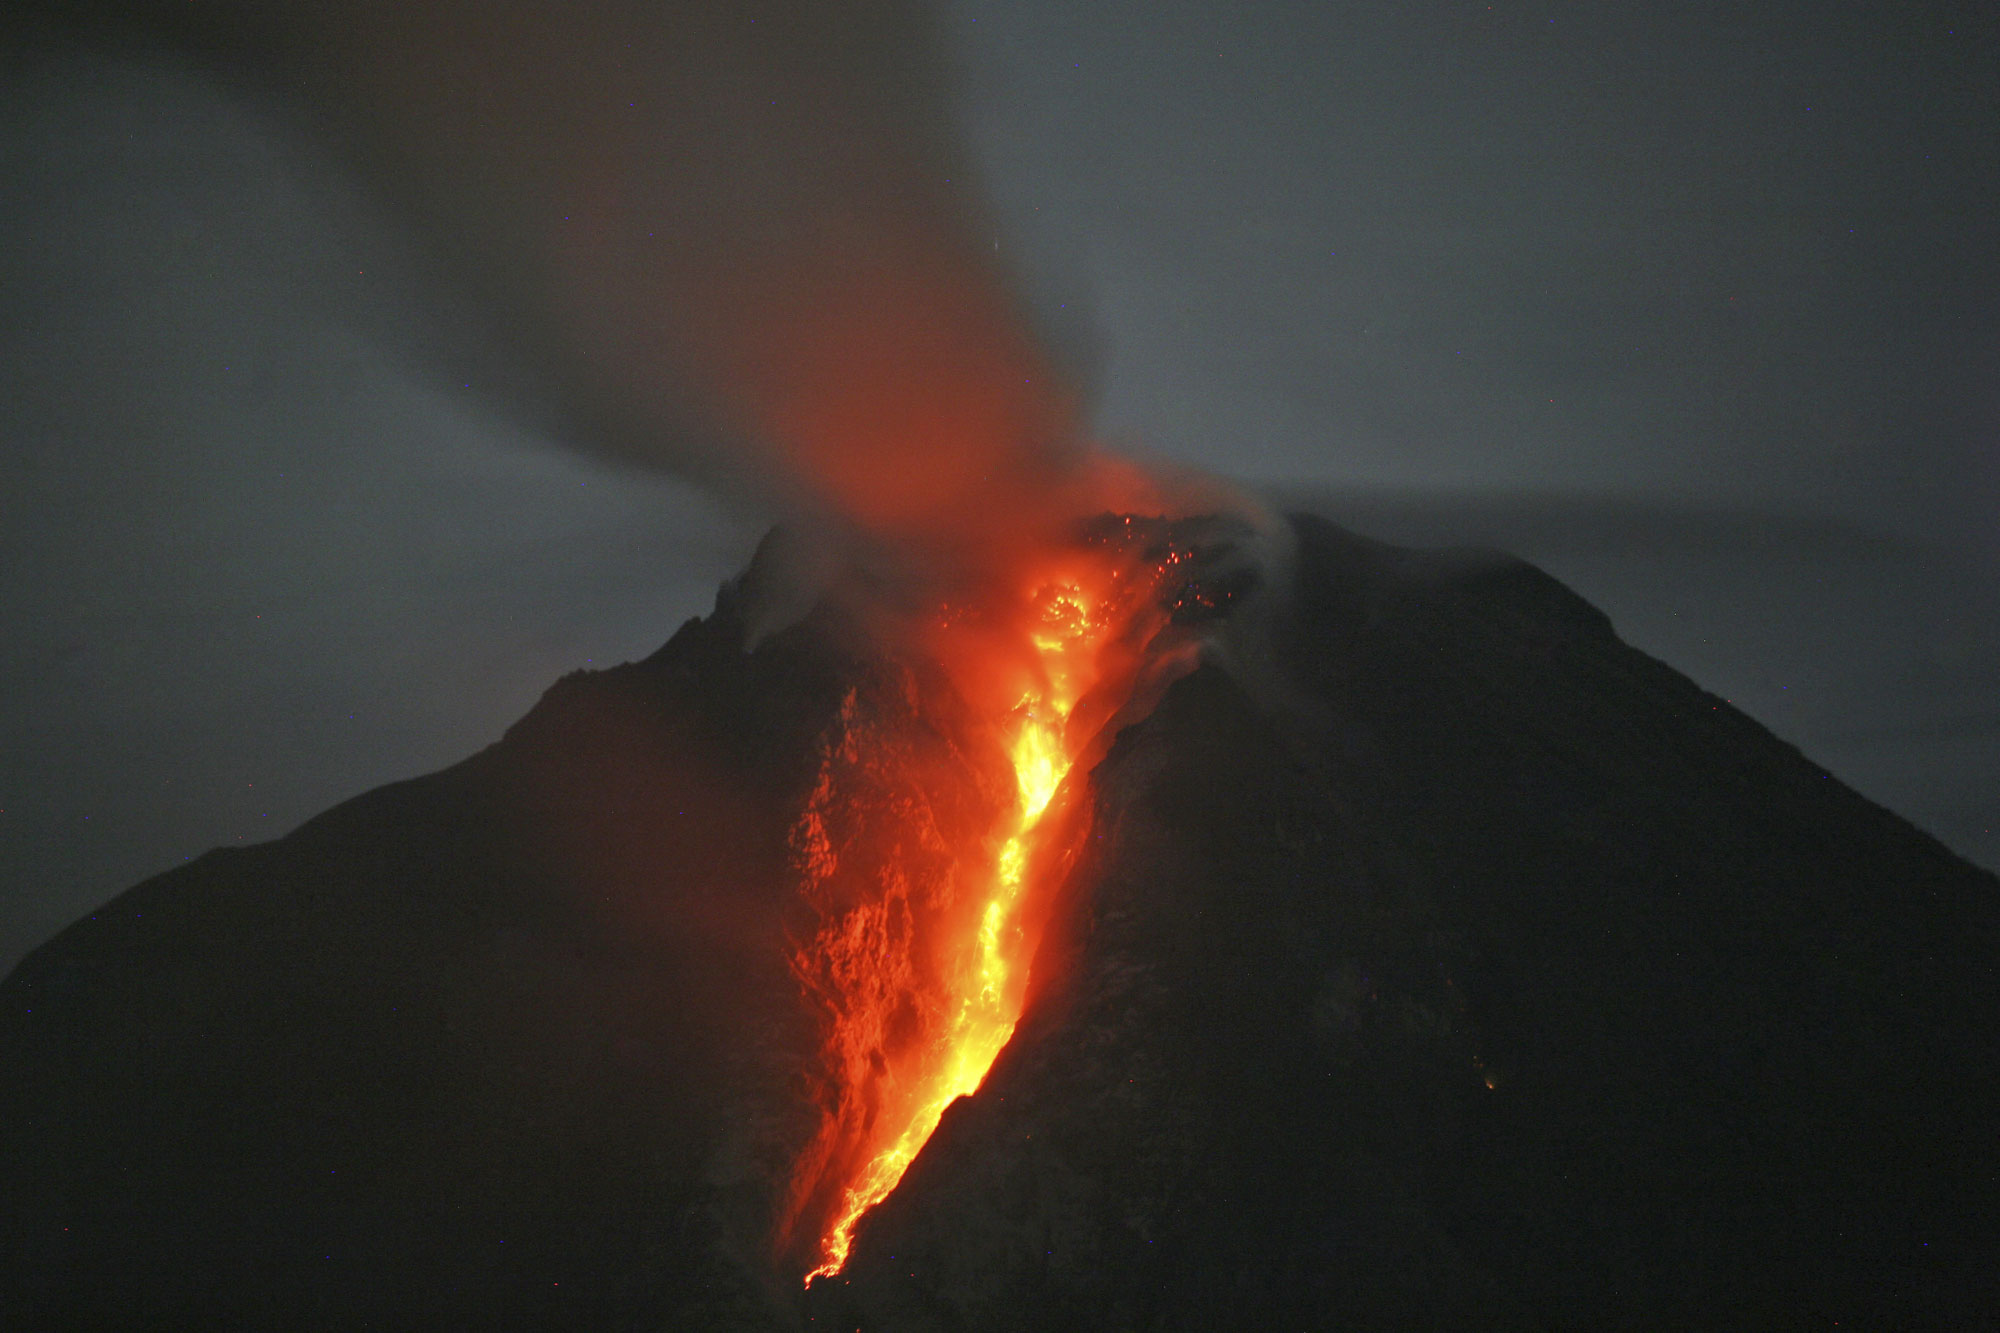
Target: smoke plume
738, 240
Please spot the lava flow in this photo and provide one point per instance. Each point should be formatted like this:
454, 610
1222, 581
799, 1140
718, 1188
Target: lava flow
986, 1007
922, 992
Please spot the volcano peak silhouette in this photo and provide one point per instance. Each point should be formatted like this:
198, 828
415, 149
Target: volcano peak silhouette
1512, 981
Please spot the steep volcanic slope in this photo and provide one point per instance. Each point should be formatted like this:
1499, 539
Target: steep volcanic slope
1489, 974
516, 1044
1531, 986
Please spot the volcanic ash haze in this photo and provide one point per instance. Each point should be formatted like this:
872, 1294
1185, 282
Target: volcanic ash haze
737, 241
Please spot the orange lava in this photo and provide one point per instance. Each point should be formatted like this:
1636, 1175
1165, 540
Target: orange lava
1076, 635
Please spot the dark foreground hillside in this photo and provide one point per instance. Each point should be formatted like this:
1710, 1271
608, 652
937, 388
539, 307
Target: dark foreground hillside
1471, 970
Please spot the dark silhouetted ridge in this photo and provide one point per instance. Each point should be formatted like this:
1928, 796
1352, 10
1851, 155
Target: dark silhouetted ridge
1489, 974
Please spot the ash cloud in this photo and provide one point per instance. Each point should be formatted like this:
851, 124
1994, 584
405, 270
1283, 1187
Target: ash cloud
733, 241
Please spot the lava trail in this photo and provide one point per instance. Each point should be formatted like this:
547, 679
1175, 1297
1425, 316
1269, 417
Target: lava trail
922, 991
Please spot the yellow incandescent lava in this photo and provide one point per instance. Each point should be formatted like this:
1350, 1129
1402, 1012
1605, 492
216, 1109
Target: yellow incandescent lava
987, 1007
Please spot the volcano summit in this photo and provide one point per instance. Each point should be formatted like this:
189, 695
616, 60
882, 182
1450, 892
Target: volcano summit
1418, 956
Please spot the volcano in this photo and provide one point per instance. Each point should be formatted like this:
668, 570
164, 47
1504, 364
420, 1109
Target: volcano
1420, 956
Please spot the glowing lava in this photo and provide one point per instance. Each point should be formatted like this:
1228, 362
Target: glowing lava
1066, 639
928, 881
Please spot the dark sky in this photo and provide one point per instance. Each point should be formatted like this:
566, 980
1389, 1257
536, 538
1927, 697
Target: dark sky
1699, 308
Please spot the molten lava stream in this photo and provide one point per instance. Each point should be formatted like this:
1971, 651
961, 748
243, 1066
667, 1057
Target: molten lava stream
1068, 631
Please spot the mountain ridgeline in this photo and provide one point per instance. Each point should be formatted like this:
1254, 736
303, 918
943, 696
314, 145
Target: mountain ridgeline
1502, 977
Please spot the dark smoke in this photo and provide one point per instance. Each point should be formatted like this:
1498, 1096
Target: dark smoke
737, 241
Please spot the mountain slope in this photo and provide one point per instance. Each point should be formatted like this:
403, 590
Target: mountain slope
1465, 966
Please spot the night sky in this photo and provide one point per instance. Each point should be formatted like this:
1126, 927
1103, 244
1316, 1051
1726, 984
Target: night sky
1699, 309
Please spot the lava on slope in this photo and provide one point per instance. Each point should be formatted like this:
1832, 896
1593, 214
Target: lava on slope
1508, 980
921, 979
